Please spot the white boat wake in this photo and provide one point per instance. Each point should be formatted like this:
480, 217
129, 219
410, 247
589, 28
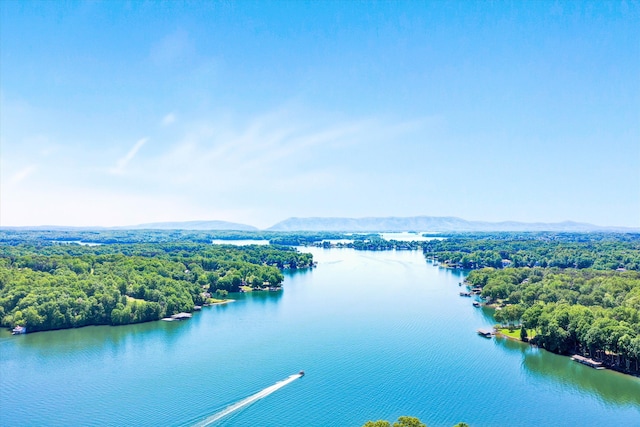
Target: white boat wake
247, 401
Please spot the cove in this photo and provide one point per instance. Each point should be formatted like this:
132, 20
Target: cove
378, 334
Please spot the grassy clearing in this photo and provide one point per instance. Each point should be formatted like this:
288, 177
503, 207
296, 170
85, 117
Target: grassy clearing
515, 334
219, 301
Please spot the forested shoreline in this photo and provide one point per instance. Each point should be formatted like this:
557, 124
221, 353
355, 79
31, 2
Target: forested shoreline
56, 286
572, 311
579, 293
547, 282
600, 251
103, 237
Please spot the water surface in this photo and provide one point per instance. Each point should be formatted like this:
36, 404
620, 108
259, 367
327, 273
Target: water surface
379, 335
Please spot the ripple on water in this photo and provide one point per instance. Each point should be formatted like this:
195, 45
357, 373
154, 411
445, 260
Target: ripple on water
379, 335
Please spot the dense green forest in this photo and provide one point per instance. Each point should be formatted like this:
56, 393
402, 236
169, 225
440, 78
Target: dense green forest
55, 286
600, 251
298, 238
573, 311
374, 242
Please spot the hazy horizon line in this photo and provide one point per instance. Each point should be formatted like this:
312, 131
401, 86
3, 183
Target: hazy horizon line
155, 223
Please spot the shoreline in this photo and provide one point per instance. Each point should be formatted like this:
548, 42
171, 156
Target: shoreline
221, 302
606, 367
217, 302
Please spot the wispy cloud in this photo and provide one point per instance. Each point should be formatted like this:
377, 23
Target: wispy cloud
272, 152
22, 174
122, 163
168, 119
171, 48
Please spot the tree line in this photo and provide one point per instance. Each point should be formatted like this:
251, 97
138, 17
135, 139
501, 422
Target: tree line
288, 238
578, 250
54, 286
589, 312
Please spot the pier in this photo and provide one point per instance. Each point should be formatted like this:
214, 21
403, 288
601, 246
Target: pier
485, 333
179, 316
586, 361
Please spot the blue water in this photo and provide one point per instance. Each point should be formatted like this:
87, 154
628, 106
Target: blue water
379, 335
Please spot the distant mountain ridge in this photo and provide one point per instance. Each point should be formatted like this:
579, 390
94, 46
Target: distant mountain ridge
367, 224
430, 223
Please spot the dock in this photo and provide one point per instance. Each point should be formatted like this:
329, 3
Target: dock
586, 361
179, 316
485, 332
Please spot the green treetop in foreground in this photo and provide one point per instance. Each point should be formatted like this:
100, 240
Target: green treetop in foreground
64, 286
403, 421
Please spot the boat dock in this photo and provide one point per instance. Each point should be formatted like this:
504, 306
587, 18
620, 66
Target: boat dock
586, 361
485, 332
179, 316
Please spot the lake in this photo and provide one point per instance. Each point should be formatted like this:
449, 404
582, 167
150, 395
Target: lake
378, 334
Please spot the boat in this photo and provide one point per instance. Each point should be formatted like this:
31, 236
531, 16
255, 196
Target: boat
301, 373
19, 330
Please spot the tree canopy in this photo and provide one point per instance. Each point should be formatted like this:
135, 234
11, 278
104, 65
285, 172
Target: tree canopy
600, 251
57, 286
580, 311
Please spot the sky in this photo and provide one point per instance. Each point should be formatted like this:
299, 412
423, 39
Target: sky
121, 113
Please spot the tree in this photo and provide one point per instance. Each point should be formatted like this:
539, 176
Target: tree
403, 421
523, 333
379, 423
408, 422
510, 314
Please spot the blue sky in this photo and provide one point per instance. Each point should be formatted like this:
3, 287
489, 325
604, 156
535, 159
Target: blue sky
115, 113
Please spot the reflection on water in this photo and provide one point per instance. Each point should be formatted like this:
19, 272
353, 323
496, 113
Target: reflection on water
609, 386
260, 297
379, 334
111, 339
297, 272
